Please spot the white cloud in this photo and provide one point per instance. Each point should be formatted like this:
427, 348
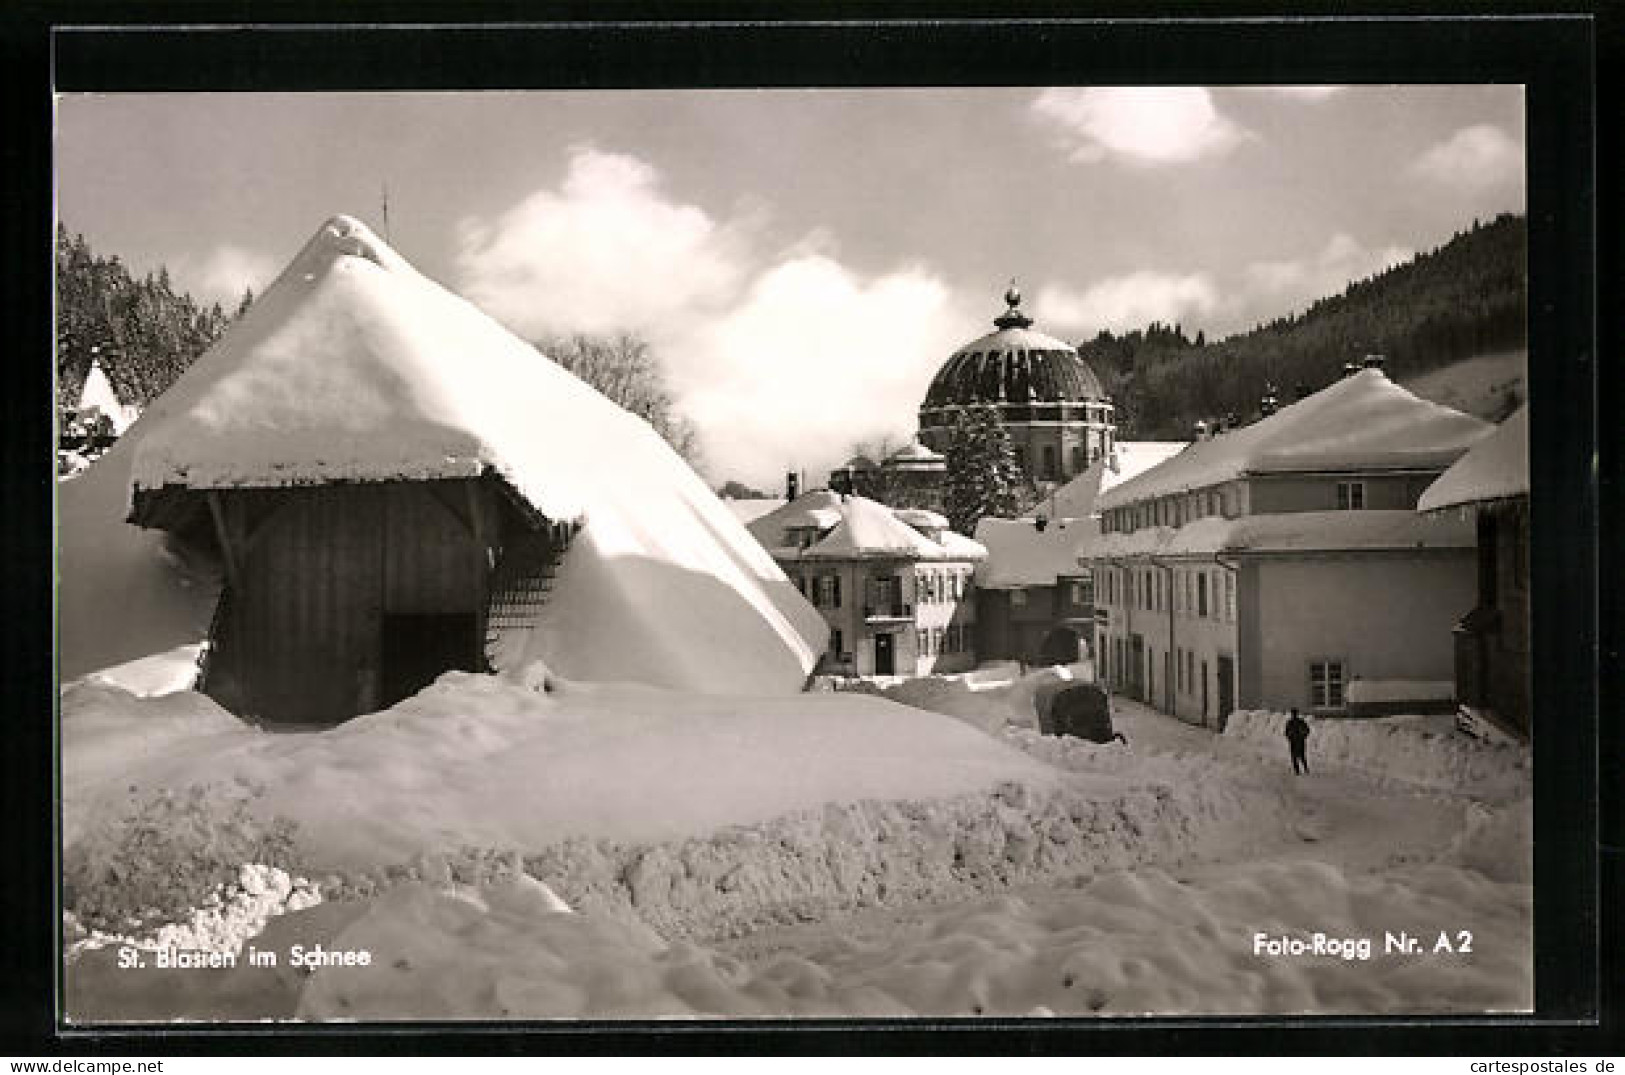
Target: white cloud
223, 274
605, 252
1310, 94
781, 357
1477, 157
814, 358
1127, 302
1143, 126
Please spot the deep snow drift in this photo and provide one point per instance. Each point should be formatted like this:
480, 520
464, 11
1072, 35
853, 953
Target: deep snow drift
494, 762
354, 367
618, 852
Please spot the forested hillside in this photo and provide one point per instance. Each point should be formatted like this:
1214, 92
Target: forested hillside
144, 332
1464, 298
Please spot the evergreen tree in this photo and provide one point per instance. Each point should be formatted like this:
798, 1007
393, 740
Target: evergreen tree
143, 332
983, 479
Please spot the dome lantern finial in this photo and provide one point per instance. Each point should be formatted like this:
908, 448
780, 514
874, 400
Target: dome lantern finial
1013, 317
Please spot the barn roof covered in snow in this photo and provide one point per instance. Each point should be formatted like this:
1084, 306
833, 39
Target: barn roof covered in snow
1362, 422
1497, 468
352, 366
1288, 532
1020, 555
856, 528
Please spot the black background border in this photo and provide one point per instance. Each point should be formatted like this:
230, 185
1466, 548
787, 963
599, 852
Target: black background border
313, 47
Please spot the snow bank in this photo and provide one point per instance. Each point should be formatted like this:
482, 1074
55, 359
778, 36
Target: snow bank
1418, 750
1400, 690
1125, 943
489, 761
123, 594
843, 856
352, 366
990, 698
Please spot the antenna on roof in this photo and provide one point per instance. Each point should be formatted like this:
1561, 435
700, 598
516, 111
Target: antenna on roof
386, 213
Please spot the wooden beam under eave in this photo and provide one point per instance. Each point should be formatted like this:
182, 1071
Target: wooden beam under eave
222, 534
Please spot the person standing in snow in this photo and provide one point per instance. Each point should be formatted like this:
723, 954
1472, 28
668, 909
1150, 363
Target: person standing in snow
1297, 735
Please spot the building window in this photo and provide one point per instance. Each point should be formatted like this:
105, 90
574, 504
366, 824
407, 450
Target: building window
835, 642
1326, 684
829, 591
1350, 496
1018, 598
1190, 671
1201, 594
1229, 597
1049, 462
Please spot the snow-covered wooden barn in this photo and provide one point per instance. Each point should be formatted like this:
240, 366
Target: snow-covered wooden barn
394, 486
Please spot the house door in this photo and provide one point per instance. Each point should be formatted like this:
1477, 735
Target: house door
1136, 667
1227, 688
418, 647
884, 664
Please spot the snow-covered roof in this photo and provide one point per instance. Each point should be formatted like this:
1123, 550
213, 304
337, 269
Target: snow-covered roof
1127, 460
749, 509
1496, 468
1287, 532
868, 528
914, 451
98, 393
858, 527
922, 518
352, 366
1362, 422
1021, 555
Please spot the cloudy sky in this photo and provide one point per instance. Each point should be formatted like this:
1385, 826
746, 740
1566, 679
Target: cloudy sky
804, 260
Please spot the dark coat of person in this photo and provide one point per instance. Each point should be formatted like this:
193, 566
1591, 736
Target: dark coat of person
1297, 732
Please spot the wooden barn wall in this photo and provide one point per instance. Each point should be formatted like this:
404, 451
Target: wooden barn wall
319, 575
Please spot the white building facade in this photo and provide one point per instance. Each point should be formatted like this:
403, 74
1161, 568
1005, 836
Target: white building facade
1274, 565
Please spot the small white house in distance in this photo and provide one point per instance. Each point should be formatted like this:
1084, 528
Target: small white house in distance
98, 396
1276, 564
894, 585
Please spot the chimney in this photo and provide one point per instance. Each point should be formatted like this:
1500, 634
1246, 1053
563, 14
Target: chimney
792, 485
1303, 391
1350, 369
1200, 430
1373, 362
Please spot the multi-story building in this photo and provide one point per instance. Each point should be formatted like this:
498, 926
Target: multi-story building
896, 587
1273, 564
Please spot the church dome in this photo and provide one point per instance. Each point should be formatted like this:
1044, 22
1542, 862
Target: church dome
1014, 364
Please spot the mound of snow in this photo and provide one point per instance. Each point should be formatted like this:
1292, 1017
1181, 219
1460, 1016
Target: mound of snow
990, 698
1126, 943
488, 761
1418, 750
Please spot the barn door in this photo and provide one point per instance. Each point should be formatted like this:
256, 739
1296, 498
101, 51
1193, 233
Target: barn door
417, 647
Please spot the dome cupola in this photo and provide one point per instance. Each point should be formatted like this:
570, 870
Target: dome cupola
1059, 416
